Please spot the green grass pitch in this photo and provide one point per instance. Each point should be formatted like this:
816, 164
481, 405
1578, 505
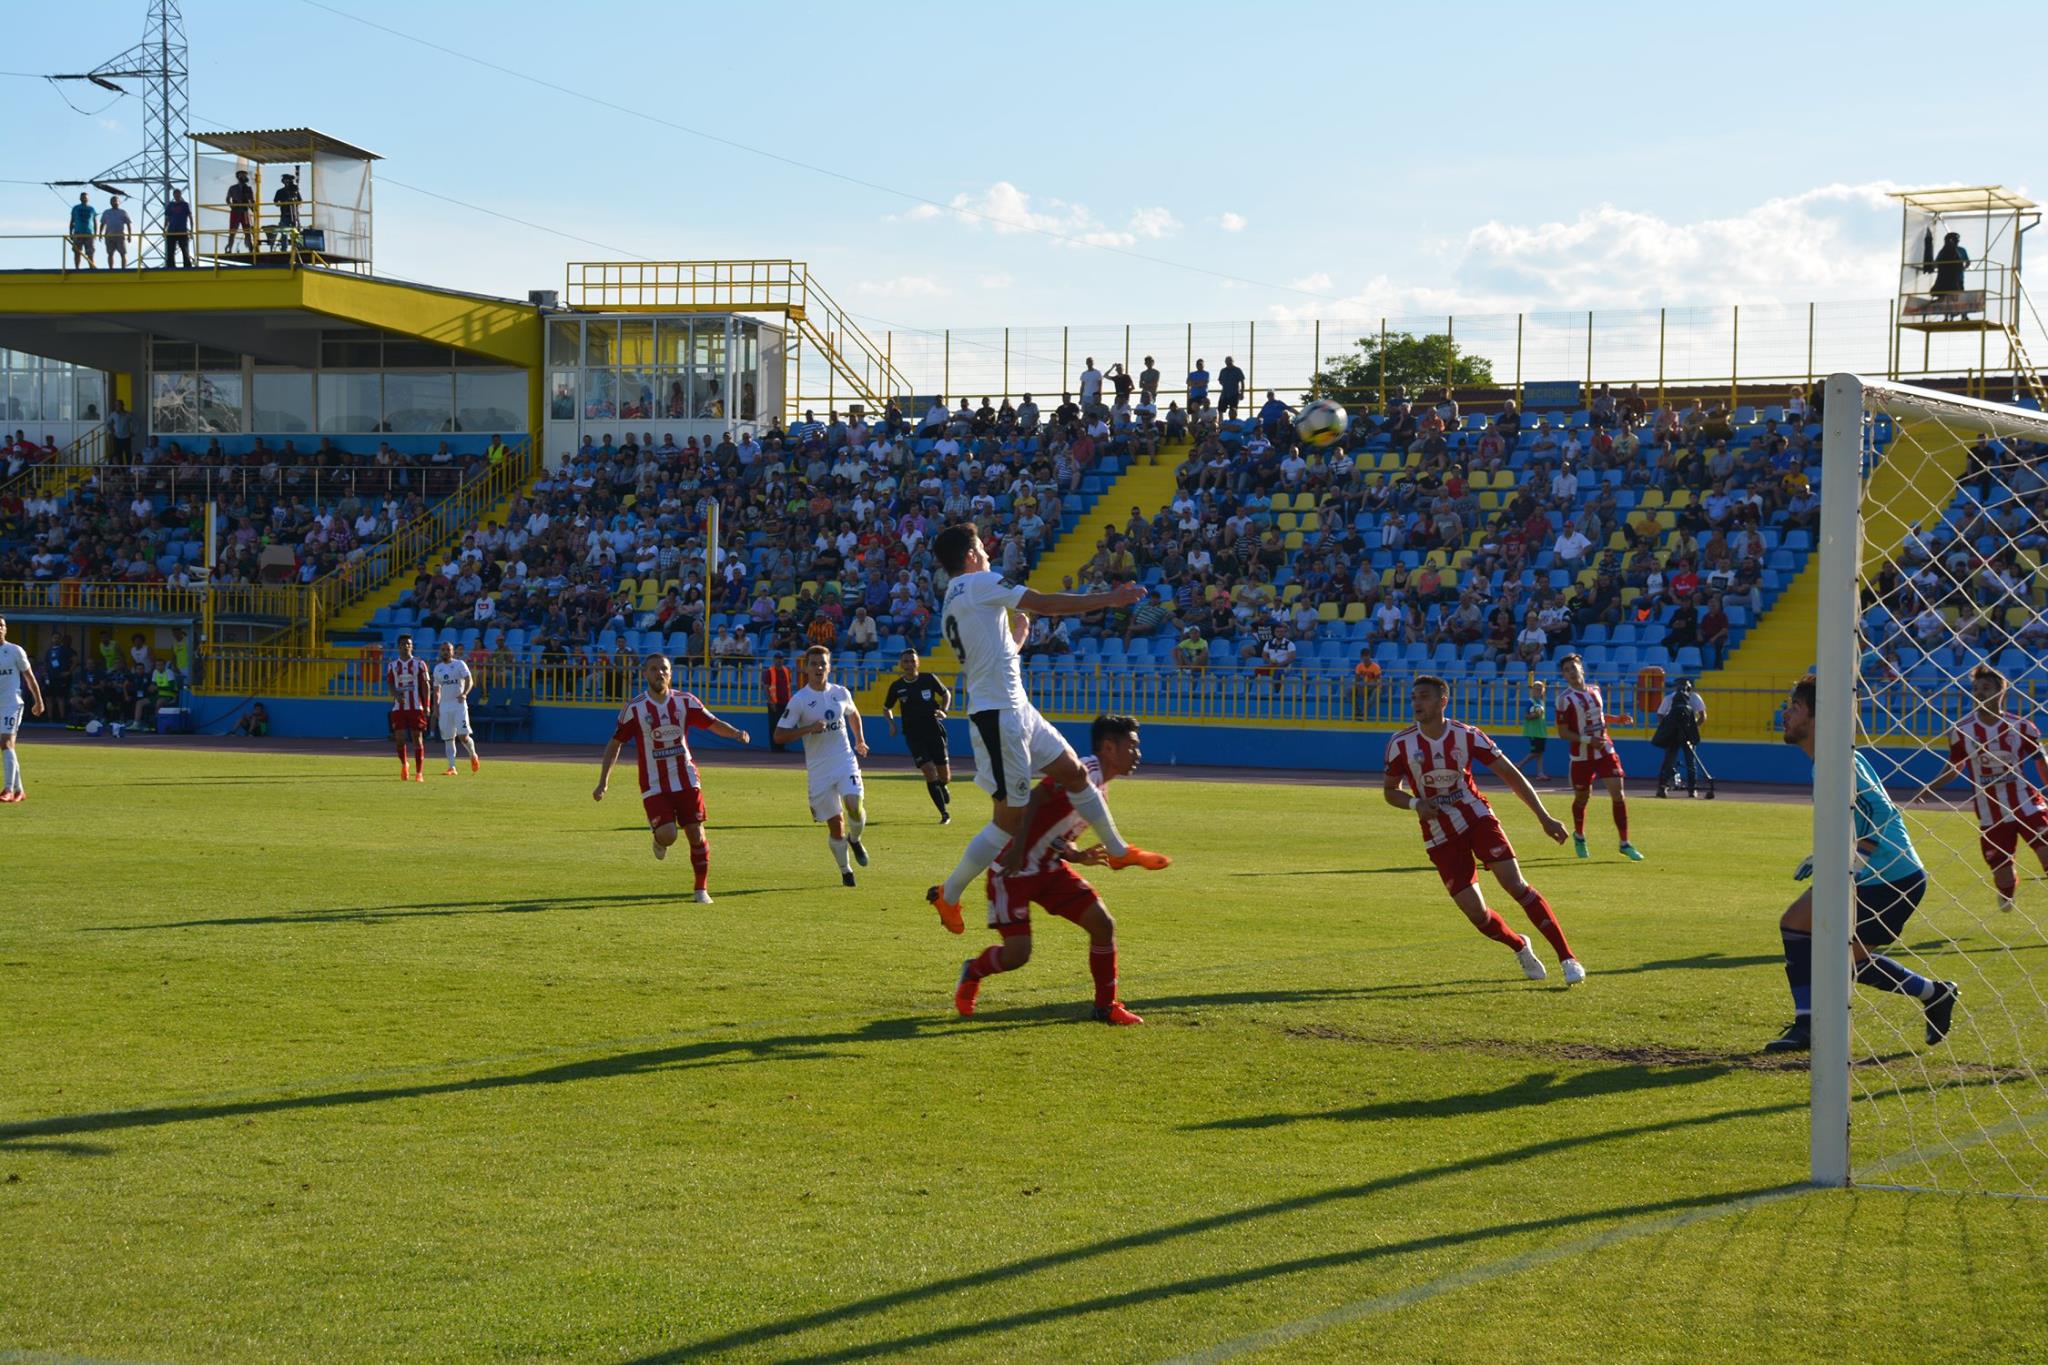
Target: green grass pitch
300, 1063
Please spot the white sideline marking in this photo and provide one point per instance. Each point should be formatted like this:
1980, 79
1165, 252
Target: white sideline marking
1478, 1274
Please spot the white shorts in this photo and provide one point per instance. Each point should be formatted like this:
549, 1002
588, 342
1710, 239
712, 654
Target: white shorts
454, 719
10, 721
828, 798
1011, 748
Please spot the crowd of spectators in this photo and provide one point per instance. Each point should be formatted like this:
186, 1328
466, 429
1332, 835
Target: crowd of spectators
112, 682
1427, 528
835, 518
1969, 588
285, 515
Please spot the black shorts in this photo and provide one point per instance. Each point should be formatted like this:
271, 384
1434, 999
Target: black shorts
1536, 743
1882, 909
927, 744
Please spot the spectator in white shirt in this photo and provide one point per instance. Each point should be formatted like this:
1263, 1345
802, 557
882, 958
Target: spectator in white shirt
1572, 544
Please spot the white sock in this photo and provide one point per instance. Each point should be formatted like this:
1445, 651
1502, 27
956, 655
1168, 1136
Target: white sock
981, 851
12, 765
1090, 806
839, 854
451, 751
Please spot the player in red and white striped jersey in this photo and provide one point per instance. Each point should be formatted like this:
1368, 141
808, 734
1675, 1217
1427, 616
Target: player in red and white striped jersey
1429, 772
1582, 722
411, 683
1037, 865
1991, 746
658, 723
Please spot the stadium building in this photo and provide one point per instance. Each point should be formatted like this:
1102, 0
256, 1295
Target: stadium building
275, 460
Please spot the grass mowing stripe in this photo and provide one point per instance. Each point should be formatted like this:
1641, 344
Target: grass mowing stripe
1482, 1273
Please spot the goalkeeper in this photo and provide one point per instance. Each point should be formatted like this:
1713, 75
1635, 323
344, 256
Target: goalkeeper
1890, 880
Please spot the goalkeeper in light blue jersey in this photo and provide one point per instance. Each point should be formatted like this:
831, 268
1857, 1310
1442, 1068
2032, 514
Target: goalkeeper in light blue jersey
1890, 880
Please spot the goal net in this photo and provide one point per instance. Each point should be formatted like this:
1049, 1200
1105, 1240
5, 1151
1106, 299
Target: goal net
1932, 666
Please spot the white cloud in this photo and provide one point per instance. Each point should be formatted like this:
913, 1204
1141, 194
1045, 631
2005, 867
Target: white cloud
1231, 222
1000, 279
1832, 242
1313, 284
112, 125
1006, 209
901, 287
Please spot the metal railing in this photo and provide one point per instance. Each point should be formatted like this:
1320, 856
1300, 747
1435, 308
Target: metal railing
318, 484
73, 465
92, 597
210, 249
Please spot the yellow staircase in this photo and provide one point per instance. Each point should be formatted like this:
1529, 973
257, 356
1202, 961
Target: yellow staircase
1910, 486
1147, 487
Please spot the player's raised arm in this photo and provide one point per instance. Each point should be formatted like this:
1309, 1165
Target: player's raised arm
1079, 603
1517, 782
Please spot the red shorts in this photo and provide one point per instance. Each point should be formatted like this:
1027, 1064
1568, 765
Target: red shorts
1587, 771
1458, 857
1062, 891
408, 720
2002, 839
685, 807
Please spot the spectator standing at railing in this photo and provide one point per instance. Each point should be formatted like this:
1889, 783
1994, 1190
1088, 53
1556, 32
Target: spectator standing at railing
241, 201
120, 432
285, 232
1230, 383
114, 226
177, 231
84, 223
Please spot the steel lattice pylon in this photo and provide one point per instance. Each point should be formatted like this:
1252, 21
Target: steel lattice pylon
158, 62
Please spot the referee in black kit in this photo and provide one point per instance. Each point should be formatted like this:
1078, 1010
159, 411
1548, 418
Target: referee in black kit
923, 700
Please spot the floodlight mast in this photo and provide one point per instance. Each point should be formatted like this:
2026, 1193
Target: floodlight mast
158, 62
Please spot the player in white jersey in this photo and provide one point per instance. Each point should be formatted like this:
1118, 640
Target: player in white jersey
1991, 746
985, 622
1582, 722
821, 713
452, 682
17, 680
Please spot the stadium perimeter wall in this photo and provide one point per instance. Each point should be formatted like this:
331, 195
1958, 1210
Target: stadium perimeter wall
1337, 752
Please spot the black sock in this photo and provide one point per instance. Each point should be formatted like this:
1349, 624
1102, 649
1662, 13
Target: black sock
937, 791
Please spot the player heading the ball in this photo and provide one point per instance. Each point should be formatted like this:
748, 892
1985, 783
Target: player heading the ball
822, 714
1429, 772
658, 723
985, 622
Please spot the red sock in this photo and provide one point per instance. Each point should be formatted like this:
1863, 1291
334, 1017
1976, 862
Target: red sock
988, 964
1579, 814
1497, 929
402, 764
1102, 966
1545, 920
1621, 817
700, 862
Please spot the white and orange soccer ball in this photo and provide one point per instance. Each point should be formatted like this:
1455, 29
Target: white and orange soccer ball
1321, 422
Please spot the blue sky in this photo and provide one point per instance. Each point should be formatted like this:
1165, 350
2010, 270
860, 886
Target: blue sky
1274, 161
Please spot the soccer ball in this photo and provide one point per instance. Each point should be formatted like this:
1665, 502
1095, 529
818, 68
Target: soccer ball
1321, 422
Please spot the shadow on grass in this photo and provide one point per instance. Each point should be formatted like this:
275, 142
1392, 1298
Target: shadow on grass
1698, 962
1382, 871
722, 1051
1540, 1087
754, 1337
243, 780
371, 914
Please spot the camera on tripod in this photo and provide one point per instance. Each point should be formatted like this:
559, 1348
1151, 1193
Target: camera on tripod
1679, 718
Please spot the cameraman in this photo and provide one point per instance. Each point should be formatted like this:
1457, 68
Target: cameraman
1679, 717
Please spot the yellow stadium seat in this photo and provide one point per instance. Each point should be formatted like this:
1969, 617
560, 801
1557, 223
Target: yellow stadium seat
1354, 611
1280, 502
1311, 521
1290, 592
1630, 594
1294, 540
1327, 612
1617, 541
1667, 520
1490, 501
1450, 579
628, 585
1287, 521
1652, 498
785, 604
1680, 497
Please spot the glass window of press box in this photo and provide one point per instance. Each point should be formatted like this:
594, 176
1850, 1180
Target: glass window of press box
47, 399
365, 383
698, 375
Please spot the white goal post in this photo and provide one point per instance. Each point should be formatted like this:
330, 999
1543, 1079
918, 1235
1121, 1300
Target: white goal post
1933, 530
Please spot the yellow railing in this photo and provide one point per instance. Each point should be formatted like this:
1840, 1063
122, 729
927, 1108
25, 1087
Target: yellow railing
851, 357
442, 524
73, 465
211, 249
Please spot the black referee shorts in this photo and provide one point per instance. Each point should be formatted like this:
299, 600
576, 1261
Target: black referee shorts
927, 744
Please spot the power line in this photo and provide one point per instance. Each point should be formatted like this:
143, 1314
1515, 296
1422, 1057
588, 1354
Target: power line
879, 188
